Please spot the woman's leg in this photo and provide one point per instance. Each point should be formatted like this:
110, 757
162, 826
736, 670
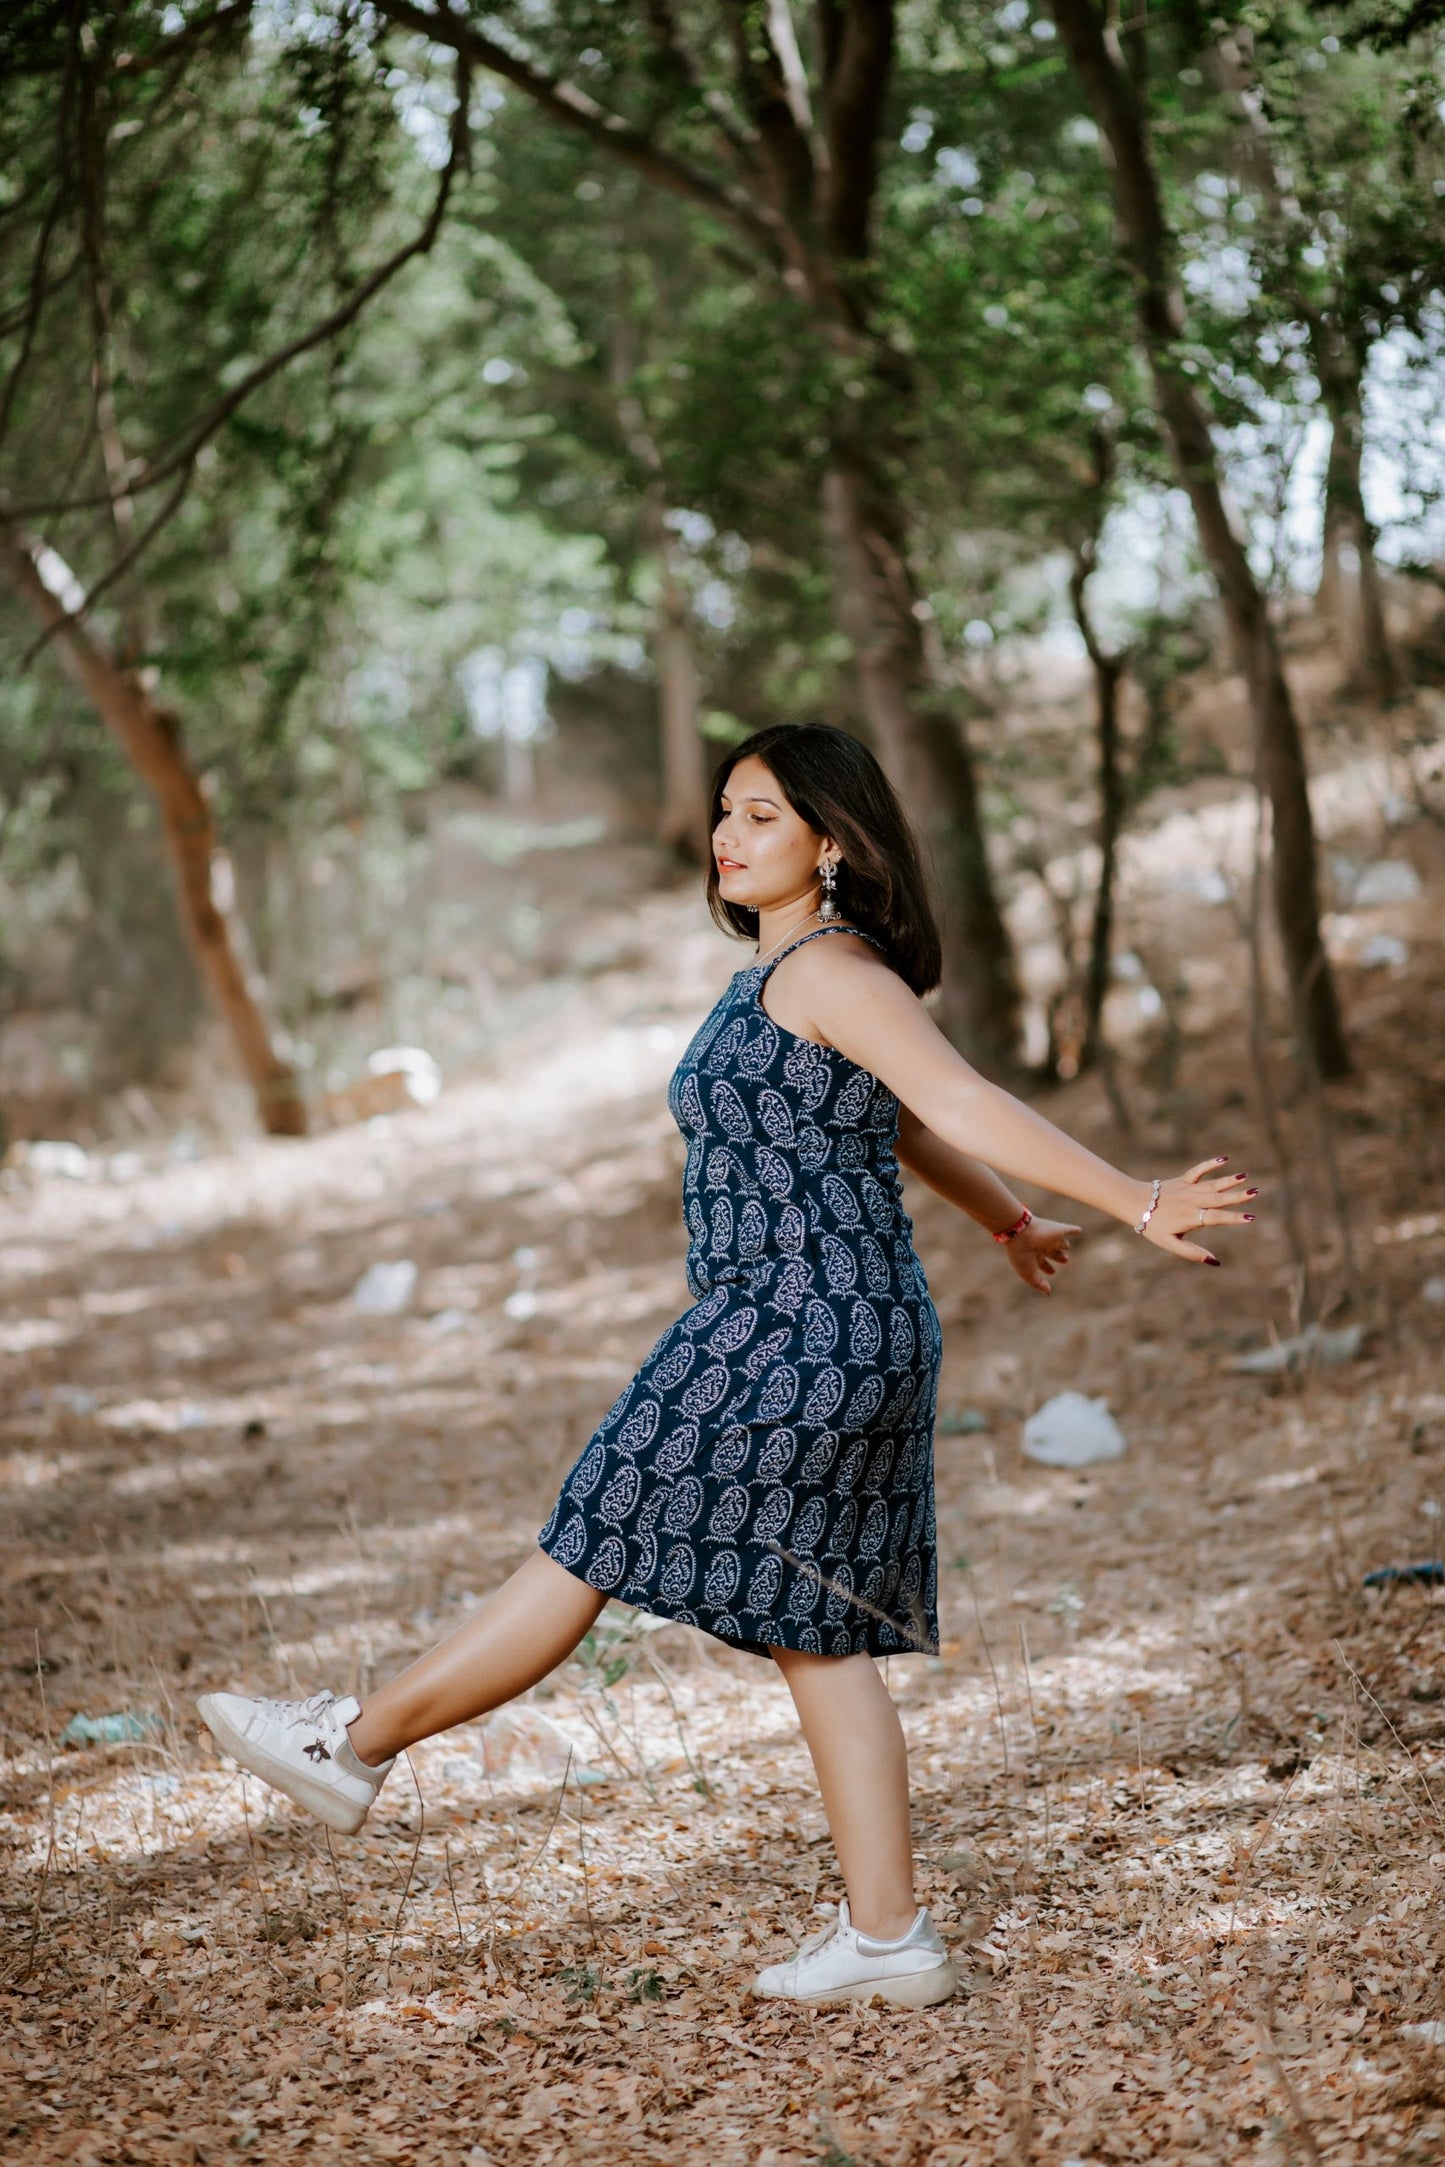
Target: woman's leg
530, 1625
861, 1761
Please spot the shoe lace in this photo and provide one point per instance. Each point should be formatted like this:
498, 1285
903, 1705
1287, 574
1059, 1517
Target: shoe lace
305, 1714
817, 1943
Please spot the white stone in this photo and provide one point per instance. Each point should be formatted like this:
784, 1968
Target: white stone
415, 1066
384, 1290
1071, 1430
1312, 1348
1389, 880
522, 1749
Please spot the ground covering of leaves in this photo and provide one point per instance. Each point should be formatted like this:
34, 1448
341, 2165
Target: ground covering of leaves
1179, 1778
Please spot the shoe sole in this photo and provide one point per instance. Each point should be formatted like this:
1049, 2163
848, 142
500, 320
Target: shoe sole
336, 1812
906, 1990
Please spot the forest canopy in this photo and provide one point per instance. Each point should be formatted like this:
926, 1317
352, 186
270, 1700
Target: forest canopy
369, 369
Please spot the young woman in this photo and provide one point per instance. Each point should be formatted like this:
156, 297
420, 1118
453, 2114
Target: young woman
768, 1473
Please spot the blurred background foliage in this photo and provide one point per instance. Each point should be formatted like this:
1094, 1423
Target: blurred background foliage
412, 558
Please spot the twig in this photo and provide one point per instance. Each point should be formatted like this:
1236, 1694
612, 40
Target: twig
1255, 1849
1038, 1741
255, 1867
411, 1865
846, 1595
556, 1810
345, 1945
700, 1777
993, 1673
586, 1879
50, 1816
1303, 2130
452, 1892
1409, 1756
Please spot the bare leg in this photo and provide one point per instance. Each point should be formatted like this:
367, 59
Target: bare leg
861, 1762
530, 1625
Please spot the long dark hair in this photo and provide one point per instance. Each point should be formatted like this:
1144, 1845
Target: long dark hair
835, 784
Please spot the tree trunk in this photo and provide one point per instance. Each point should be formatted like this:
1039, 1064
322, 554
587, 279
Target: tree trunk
150, 737
682, 825
1095, 52
1359, 602
1330, 594
801, 192
1352, 602
925, 756
1108, 675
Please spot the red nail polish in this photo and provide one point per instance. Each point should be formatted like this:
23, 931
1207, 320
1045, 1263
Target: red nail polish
1248, 1218
1251, 1192
1211, 1260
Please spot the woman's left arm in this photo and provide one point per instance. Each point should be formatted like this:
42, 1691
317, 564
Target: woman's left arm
1035, 1251
863, 1008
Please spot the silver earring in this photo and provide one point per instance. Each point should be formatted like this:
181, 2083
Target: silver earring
828, 908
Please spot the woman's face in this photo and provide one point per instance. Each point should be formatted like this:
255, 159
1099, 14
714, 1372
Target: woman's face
767, 855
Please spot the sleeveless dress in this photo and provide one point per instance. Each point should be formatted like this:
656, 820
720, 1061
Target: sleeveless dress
767, 1475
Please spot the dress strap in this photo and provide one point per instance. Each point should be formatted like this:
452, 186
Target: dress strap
817, 934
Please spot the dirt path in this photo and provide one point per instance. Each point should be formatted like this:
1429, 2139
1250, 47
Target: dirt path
1174, 1768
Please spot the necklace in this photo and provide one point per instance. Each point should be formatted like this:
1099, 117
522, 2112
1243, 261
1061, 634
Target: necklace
777, 944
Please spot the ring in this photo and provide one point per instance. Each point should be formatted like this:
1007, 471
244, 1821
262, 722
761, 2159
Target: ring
1200, 1220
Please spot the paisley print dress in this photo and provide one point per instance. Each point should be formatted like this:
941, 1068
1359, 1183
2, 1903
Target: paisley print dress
768, 1473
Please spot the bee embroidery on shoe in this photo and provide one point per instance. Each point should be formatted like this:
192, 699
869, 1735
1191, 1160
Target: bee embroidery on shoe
316, 1751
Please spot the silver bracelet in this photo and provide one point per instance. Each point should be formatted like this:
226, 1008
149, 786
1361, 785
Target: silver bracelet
1150, 1208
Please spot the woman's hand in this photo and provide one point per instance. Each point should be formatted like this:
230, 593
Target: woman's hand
1039, 1250
1190, 1205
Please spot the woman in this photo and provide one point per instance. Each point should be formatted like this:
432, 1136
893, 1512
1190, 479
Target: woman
767, 1475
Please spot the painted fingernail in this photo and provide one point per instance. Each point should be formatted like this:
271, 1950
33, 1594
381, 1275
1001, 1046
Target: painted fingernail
1251, 1192
1211, 1260
1248, 1218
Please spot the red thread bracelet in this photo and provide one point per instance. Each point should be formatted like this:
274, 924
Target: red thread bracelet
1024, 1219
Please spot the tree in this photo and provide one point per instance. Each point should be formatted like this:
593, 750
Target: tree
150, 736
785, 161
1336, 149
82, 88
1096, 51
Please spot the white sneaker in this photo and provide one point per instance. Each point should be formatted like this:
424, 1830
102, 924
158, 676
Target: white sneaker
840, 1964
302, 1748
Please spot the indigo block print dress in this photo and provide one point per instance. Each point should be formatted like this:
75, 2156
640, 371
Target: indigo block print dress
768, 1473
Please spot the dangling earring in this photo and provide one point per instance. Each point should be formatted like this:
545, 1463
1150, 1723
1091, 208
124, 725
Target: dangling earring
828, 908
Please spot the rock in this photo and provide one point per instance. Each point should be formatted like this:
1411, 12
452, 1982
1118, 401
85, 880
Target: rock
1389, 880
1072, 1431
420, 1076
384, 1290
522, 1749
447, 1321
121, 1729
962, 1422
1382, 951
49, 1156
1313, 1348
75, 1399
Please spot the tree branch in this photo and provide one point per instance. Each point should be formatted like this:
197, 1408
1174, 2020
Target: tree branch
787, 152
678, 63
736, 205
857, 46
183, 458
